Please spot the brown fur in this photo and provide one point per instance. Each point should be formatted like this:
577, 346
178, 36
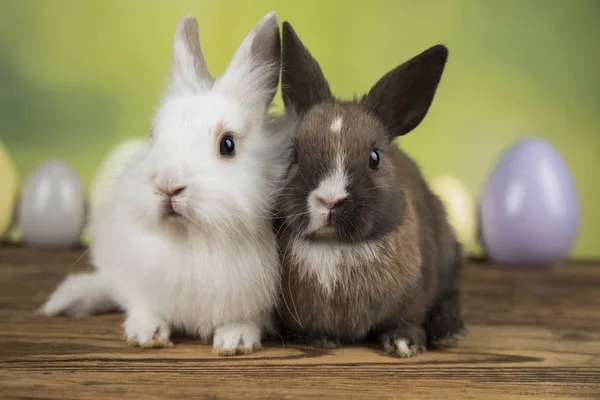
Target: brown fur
399, 264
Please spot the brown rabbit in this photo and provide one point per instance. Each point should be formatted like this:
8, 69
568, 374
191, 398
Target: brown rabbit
366, 247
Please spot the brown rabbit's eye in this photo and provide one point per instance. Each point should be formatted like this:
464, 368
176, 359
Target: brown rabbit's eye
227, 146
374, 159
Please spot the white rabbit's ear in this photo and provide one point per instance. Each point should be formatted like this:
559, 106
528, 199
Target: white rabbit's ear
188, 67
253, 73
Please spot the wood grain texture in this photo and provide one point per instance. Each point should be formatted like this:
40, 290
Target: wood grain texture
531, 333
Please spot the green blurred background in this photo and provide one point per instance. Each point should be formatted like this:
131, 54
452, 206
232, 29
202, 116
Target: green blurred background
78, 76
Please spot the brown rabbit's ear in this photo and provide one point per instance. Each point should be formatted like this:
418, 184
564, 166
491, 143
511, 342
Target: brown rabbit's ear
302, 82
188, 67
403, 96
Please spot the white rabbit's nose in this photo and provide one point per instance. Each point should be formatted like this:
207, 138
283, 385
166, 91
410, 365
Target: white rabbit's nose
171, 191
167, 185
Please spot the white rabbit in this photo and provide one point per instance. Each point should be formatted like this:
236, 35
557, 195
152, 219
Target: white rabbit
185, 243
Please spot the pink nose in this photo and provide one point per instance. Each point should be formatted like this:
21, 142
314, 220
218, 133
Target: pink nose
330, 202
171, 191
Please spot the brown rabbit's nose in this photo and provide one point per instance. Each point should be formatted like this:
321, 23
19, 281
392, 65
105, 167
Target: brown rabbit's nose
171, 191
331, 202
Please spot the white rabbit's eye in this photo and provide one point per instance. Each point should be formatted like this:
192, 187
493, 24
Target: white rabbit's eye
227, 146
374, 159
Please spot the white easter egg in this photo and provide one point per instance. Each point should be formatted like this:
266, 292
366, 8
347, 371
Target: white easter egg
460, 209
109, 170
52, 207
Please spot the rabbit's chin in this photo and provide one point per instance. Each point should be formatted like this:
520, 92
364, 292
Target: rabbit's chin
329, 235
324, 234
183, 224
175, 219
212, 226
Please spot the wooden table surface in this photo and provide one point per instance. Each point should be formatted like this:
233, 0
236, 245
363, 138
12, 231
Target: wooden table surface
531, 332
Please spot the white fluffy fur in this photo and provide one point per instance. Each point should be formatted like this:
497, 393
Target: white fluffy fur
188, 70
81, 295
402, 348
332, 188
329, 262
215, 270
336, 125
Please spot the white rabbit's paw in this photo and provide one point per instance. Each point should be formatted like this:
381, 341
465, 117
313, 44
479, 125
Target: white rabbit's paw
237, 339
147, 331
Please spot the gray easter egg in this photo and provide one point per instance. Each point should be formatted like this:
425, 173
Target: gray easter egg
52, 207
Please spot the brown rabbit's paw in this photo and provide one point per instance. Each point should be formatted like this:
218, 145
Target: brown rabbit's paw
403, 343
403, 349
444, 324
325, 342
450, 340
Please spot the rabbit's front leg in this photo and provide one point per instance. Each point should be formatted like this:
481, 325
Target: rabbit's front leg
237, 339
144, 329
406, 340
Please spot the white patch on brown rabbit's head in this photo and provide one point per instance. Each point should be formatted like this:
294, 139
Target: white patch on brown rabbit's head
336, 125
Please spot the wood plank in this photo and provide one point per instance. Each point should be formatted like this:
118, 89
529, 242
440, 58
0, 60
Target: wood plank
532, 332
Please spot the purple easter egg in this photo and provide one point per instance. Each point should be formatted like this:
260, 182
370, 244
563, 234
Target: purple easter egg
529, 210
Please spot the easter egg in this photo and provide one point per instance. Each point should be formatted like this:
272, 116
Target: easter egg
111, 166
109, 170
460, 209
529, 208
8, 190
52, 207
14, 233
